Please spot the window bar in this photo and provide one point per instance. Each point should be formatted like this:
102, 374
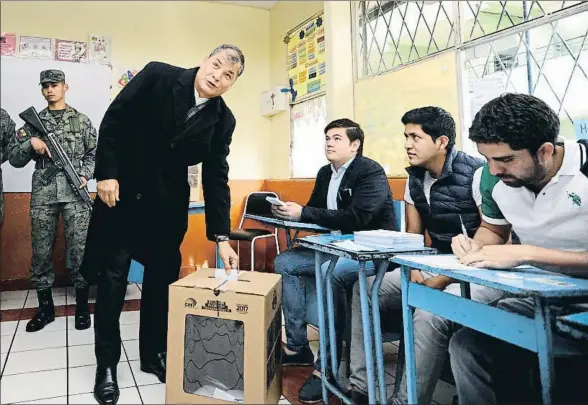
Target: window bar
416, 30
451, 24
373, 40
526, 15
572, 74
432, 39
364, 38
387, 23
397, 53
476, 13
408, 32
565, 44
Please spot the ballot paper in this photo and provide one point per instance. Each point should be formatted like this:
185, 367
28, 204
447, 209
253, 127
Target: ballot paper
223, 275
350, 245
447, 262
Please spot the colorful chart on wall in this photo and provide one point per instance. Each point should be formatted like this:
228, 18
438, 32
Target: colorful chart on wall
306, 59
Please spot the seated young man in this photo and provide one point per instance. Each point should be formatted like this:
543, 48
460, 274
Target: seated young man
537, 187
350, 194
442, 186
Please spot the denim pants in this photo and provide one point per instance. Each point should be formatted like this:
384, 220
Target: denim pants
296, 266
431, 335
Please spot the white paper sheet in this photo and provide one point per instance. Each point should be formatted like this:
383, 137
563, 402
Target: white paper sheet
447, 262
349, 245
222, 275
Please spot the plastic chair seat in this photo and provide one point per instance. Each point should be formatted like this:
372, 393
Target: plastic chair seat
247, 235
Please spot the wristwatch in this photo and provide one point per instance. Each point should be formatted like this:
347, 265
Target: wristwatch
221, 238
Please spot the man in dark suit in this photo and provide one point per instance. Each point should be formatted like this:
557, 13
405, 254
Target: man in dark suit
350, 194
166, 119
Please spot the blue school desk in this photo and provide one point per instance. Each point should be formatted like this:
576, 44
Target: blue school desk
534, 334
323, 244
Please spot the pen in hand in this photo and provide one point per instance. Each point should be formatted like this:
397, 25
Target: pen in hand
465, 233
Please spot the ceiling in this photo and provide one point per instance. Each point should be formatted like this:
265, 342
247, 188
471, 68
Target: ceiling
257, 4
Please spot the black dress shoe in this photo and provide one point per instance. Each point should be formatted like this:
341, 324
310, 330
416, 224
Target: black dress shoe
311, 391
156, 367
106, 390
304, 357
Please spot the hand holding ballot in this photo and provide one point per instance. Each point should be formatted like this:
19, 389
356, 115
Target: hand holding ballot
289, 211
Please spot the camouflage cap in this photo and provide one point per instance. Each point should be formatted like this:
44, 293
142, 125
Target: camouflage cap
52, 76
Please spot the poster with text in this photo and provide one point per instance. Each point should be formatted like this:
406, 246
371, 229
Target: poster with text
306, 59
71, 51
7, 44
35, 47
99, 49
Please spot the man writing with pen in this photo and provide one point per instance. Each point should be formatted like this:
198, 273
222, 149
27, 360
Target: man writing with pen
442, 198
535, 184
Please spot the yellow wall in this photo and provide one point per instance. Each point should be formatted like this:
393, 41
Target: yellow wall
283, 16
381, 101
180, 33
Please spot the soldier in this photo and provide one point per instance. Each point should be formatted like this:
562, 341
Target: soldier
52, 196
6, 133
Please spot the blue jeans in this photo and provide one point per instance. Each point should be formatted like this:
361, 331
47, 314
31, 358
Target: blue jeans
297, 266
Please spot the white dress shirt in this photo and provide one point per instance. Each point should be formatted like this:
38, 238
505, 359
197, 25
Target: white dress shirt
334, 184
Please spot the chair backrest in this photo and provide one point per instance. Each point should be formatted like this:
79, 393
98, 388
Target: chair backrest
399, 213
256, 204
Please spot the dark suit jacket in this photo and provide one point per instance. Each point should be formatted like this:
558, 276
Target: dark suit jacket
364, 199
145, 144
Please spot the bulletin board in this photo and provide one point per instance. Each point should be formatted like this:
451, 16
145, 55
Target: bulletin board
380, 103
307, 59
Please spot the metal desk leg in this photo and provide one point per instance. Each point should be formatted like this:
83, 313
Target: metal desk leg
407, 314
367, 333
288, 238
322, 324
381, 271
544, 348
331, 317
465, 289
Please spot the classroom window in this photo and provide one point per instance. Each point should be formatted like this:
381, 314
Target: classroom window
549, 61
481, 18
308, 120
390, 34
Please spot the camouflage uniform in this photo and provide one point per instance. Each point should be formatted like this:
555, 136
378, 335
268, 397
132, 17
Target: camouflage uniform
77, 136
6, 133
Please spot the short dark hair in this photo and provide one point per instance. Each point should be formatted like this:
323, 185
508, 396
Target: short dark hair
235, 55
519, 120
435, 122
352, 130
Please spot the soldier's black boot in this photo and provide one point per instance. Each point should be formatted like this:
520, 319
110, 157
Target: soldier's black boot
82, 315
46, 312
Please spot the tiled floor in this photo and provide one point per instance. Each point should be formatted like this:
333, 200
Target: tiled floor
56, 365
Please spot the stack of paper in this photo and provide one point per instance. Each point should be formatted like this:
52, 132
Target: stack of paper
388, 239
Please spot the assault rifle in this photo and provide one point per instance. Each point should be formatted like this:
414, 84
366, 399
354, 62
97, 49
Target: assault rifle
60, 159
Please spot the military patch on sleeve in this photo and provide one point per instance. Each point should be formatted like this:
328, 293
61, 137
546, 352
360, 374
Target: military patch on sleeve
22, 134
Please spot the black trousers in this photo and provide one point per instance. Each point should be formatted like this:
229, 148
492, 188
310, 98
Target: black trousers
162, 268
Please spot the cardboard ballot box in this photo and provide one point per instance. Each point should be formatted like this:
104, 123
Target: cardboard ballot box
224, 339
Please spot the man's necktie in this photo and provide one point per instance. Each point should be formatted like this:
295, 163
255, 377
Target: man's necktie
193, 111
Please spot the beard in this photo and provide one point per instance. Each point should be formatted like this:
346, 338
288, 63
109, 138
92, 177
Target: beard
535, 175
